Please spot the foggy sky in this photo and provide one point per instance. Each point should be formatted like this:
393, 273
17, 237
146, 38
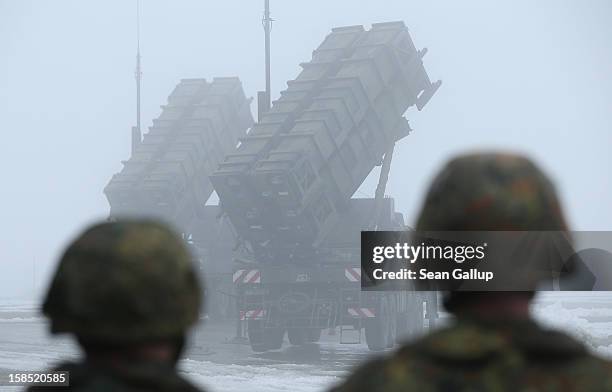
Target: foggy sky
528, 76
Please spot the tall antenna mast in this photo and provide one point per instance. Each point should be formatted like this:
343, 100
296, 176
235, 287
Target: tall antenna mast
136, 131
267, 22
265, 98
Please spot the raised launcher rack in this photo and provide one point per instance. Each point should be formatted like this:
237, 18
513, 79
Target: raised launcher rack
295, 171
167, 175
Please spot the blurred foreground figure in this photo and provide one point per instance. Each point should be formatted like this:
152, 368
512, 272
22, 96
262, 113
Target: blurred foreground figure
128, 292
493, 345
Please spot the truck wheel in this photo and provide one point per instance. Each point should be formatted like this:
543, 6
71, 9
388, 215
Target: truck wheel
403, 329
275, 337
297, 336
432, 309
377, 328
264, 339
314, 335
392, 334
416, 319
255, 332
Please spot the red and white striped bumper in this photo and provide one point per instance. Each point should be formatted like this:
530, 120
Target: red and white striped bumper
246, 276
362, 312
255, 314
353, 274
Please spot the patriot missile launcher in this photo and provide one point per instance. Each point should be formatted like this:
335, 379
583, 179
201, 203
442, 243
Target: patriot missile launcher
167, 174
287, 191
293, 175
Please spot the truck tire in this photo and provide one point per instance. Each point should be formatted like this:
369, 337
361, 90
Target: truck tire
314, 335
416, 324
264, 339
255, 331
403, 329
416, 318
377, 328
275, 337
432, 309
392, 332
297, 336
410, 322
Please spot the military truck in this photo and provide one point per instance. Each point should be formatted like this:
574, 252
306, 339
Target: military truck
323, 292
287, 191
166, 176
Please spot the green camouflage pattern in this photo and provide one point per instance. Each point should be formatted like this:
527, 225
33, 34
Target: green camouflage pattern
124, 281
478, 355
491, 191
129, 376
498, 192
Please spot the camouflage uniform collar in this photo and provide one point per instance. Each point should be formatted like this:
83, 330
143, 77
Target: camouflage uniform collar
474, 339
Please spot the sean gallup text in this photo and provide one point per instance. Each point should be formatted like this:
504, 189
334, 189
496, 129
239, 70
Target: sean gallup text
424, 274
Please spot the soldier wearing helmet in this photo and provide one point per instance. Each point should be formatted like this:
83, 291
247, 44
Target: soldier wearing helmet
128, 291
493, 344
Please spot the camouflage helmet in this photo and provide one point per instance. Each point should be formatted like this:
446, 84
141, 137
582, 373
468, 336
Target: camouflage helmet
124, 281
487, 192
491, 191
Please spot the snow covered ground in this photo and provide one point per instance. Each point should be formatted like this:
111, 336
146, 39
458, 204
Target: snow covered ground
216, 364
273, 377
585, 315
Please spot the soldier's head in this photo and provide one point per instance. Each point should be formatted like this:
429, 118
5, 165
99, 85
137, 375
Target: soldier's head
490, 192
126, 284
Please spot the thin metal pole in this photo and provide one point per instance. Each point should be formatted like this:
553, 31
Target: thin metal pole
137, 132
267, 23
